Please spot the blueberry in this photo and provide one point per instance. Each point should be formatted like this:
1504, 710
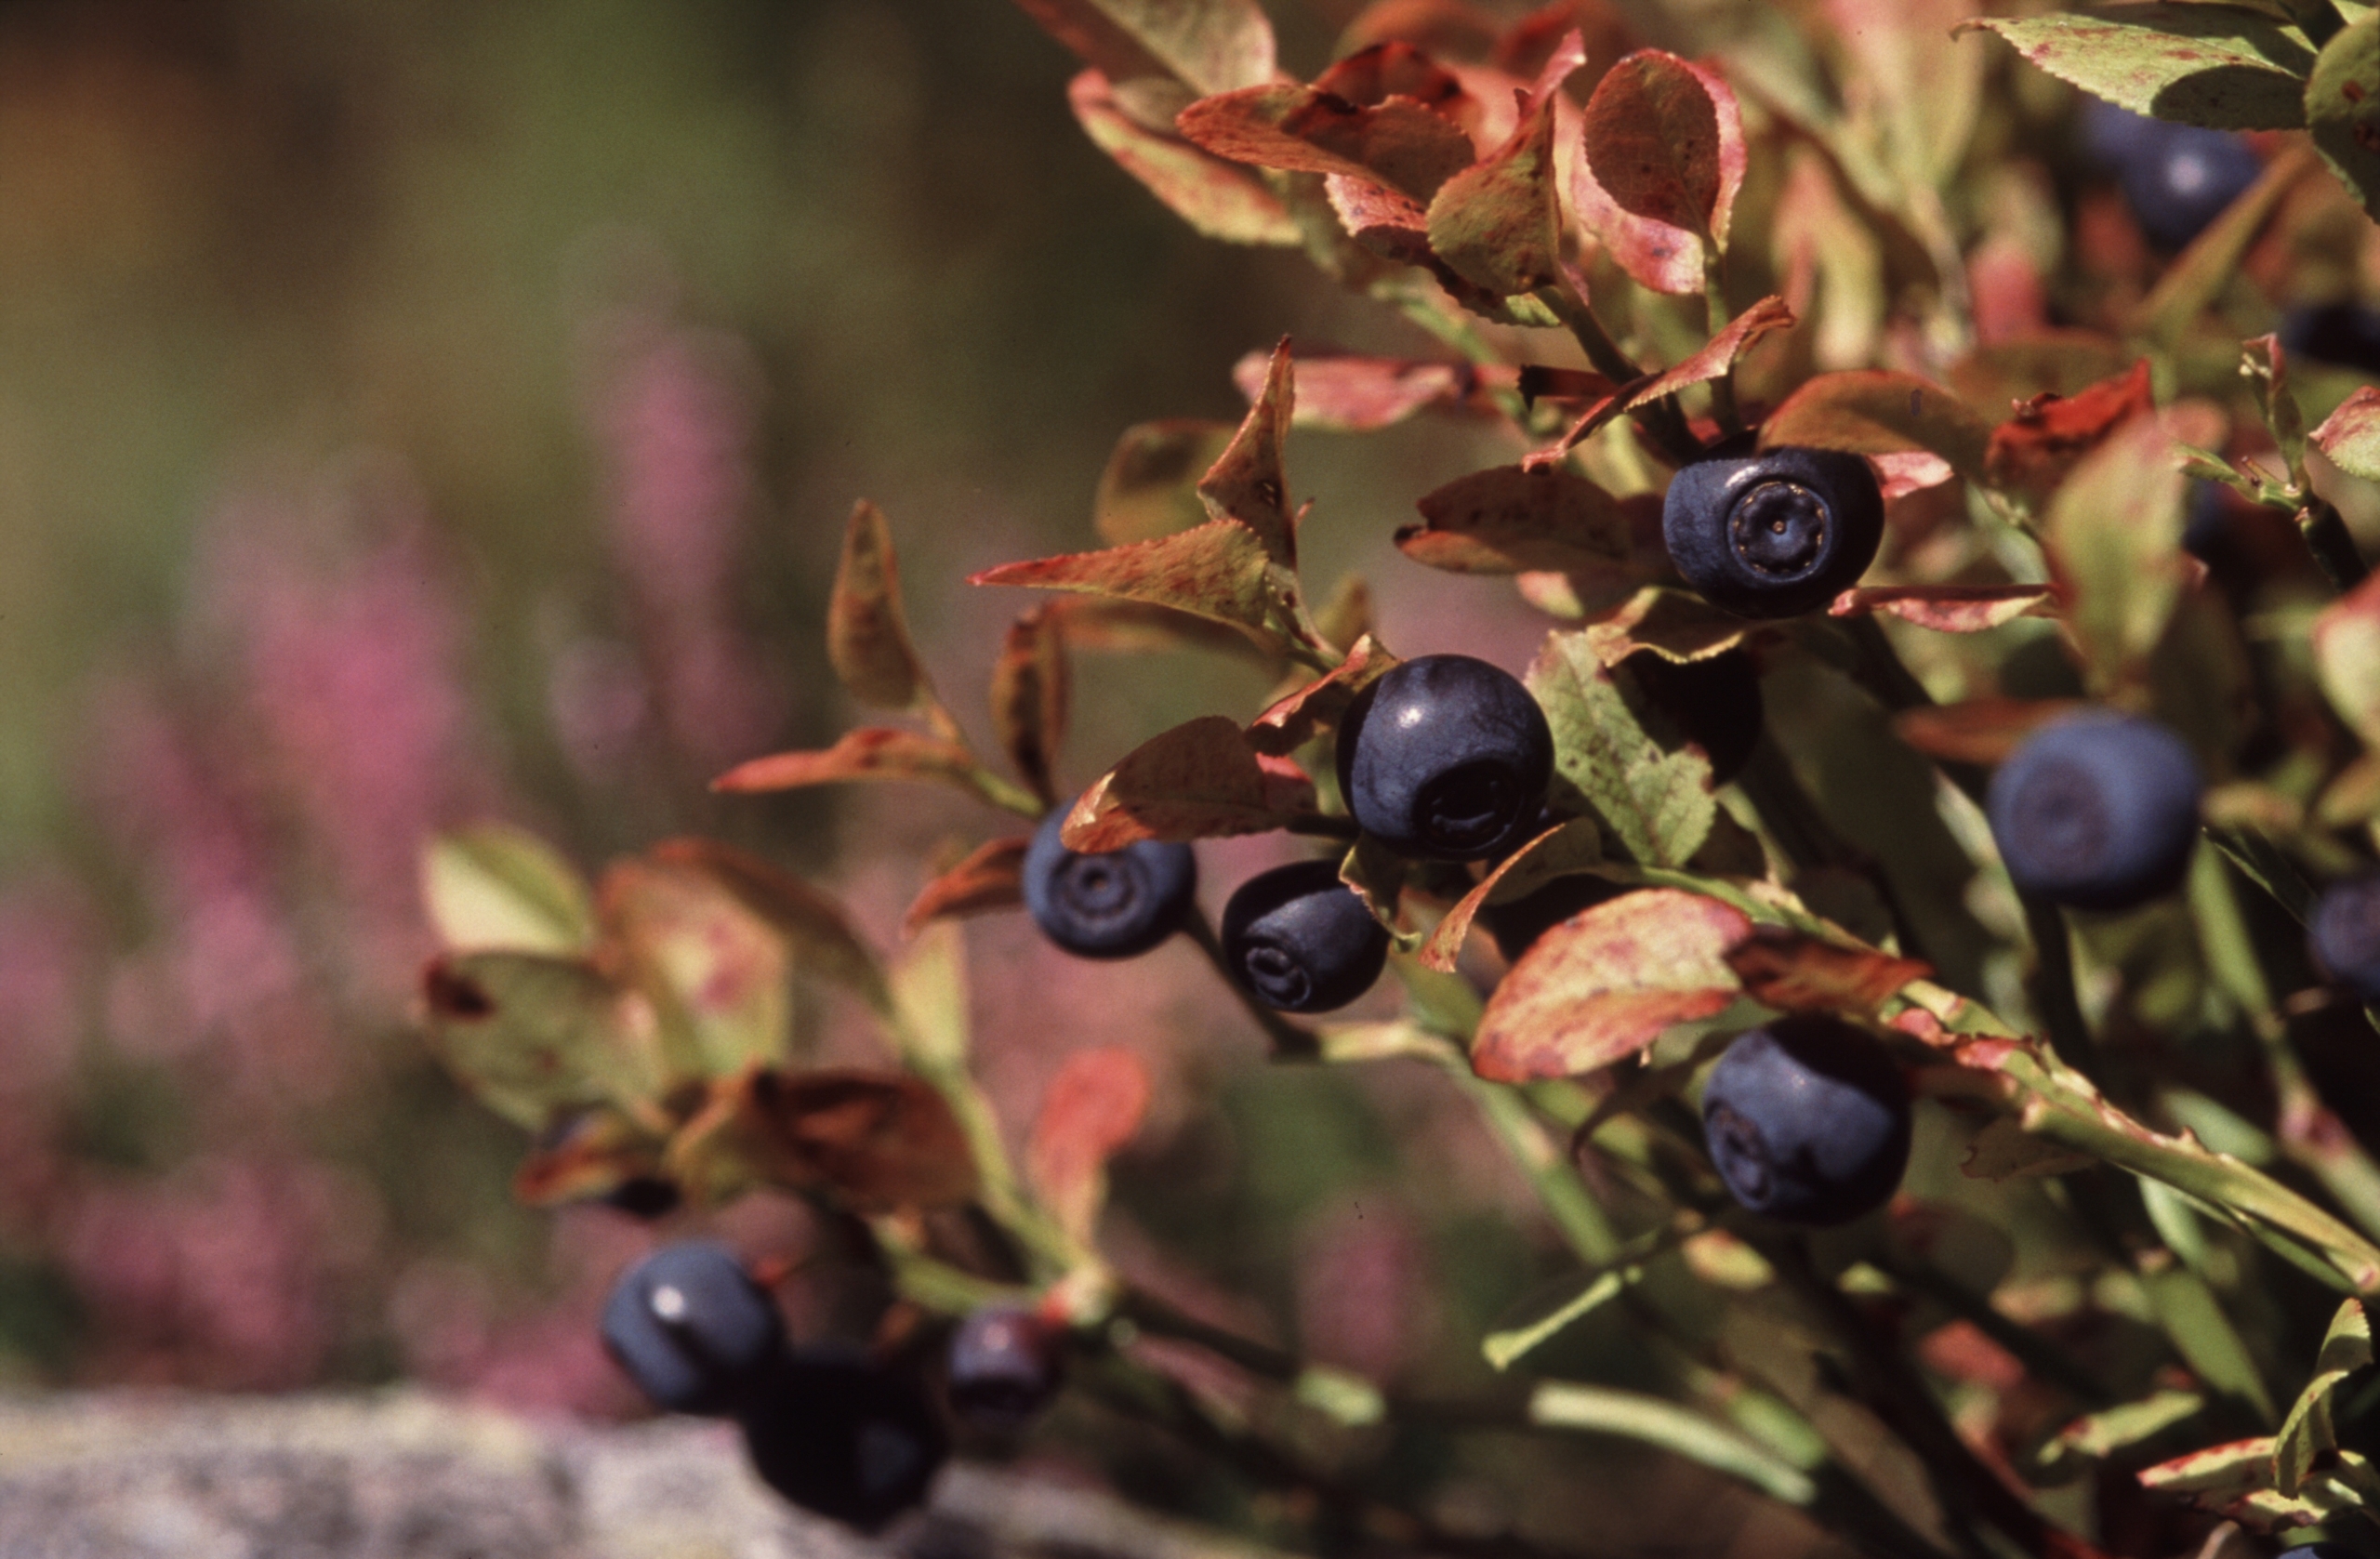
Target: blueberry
1445, 758
2344, 932
1773, 533
691, 1328
845, 1438
2322, 1550
1807, 1120
645, 1196
2177, 179
1111, 906
2099, 810
1714, 702
1005, 1366
2344, 335
1517, 924
1299, 939
2207, 525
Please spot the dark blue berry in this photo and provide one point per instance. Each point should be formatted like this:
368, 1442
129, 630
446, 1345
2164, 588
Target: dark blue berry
1006, 1365
2322, 1550
1299, 939
1715, 702
2344, 335
845, 1438
1807, 1120
691, 1328
1517, 925
2099, 810
1111, 906
646, 1197
2206, 526
1773, 533
1445, 758
2177, 179
2344, 932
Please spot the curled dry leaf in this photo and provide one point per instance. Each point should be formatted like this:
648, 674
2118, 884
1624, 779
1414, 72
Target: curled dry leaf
2350, 435
1094, 1106
1512, 519
1876, 412
874, 1142
992, 876
1150, 485
1797, 973
1555, 853
1200, 780
2046, 436
868, 637
1979, 730
1678, 625
1298, 717
1221, 199
1602, 985
1949, 608
1028, 696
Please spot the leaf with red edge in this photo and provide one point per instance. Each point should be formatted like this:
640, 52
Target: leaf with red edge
1248, 481
1797, 973
992, 876
2350, 435
1029, 698
1200, 780
1510, 519
1220, 198
718, 972
1678, 625
1555, 853
599, 1151
1396, 68
1390, 223
868, 638
1867, 411
1219, 570
1655, 799
1347, 393
1949, 608
875, 752
1716, 360
1602, 985
821, 932
1150, 485
2346, 640
1979, 730
1664, 155
2048, 435
874, 1142
1298, 129
1296, 718
1210, 46
1094, 1106
1497, 223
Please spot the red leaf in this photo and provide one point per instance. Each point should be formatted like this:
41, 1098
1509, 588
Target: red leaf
1799, 973
1949, 608
1510, 519
1980, 731
1248, 481
1301, 129
1388, 222
1028, 696
876, 1141
2032, 451
1550, 854
1093, 1107
1209, 45
1664, 157
873, 752
1217, 570
1372, 76
1131, 627
1351, 394
1714, 359
1220, 198
990, 878
1602, 985
1873, 412
1295, 719
1675, 624
1200, 780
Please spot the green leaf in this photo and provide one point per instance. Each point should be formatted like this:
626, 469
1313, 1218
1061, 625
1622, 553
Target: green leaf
494, 886
2307, 1432
529, 1035
1506, 1348
820, 932
2200, 64
1497, 223
2193, 1318
1655, 800
2114, 532
2343, 109
2350, 435
2346, 658
2095, 1436
1601, 1410
717, 972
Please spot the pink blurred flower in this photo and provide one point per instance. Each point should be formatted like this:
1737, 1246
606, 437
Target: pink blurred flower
1364, 1288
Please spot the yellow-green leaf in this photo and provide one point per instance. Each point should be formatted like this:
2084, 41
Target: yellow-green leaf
494, 886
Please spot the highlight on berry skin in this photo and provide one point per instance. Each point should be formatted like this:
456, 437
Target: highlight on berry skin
1115, 904
1299, 939
1807, 1120
692, 1327
1446, 758
2098, 810
1006, 1365
1772, 533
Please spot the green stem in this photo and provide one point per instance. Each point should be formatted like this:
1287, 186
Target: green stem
1567, 1202
2052, 989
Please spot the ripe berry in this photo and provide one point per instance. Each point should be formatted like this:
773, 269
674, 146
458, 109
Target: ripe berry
1299, 939
2099, 810
2346, 335
1005, 1366
2344, 932
691, 1328
846, 1438
1111, 906
2322, 1550
1773, 533
1445, 758
2177, 179
1518, 924
1714, 702
1807, 1120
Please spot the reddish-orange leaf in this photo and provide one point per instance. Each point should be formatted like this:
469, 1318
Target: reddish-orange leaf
1093, 1107
1949, 608
1395, 68
1510, 519
1217, 569
1299, 129
1716, 358
876, 1141
1664, 155
1248, 481
599, 1152
1030, 698
1874, 412
1221, 199
992, 876
1200, 780
2032, 451
1602, 985
1210, 46
1979, 730
873, 752
1552, 854
1388, 222
1299, 717
1798, 973
1351, 394
867, 638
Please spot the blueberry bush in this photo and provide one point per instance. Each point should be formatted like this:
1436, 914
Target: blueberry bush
1896, 856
